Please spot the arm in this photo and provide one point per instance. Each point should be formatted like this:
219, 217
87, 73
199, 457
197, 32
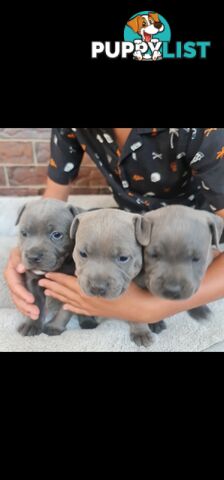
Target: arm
127, 307
153, 309
221, 213
208, 168
54, 190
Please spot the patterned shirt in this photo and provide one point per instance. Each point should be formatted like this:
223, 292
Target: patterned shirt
156, 167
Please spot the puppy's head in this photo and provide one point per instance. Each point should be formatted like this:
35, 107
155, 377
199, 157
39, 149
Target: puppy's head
44, 234
146, 25
177, 244
107, 254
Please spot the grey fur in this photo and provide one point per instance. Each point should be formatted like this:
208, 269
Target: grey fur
41, 254
106, 236
177, 243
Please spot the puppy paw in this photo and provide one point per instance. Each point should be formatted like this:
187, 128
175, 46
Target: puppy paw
200, 313
52, 331
30, 329
157, 327
87, 323
156, 55
141, 335
137, 55
142, 339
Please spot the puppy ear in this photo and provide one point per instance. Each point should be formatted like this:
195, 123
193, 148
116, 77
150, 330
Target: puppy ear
143, 228
75, 210
74, 228
216, 225
134, 23
20, 212
154, 17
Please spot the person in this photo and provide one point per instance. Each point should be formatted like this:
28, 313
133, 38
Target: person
146, 168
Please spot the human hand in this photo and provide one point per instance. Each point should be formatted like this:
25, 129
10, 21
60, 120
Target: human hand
13, 275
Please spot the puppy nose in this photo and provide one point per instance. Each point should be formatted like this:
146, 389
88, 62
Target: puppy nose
34, 258
158, 24
99, 291
173, 291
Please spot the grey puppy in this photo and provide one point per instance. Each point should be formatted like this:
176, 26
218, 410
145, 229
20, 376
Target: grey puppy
108, 257
177, 244
46, 246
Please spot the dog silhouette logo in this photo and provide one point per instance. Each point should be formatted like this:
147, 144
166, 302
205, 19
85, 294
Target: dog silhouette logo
147, 30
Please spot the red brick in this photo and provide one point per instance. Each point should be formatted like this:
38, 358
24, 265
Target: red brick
90, 191
87, 161
21, 192
16, 152
2, 176
27, 176
32, 133
42, 152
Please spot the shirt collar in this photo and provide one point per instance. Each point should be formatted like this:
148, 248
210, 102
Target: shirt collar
150, 130
135, 141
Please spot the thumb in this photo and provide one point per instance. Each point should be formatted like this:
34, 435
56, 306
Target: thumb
20, 268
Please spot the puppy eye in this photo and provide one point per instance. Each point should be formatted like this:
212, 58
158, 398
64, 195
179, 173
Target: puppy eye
24, 233
196, 259
154, 255
123, 259
83, 254
56, 236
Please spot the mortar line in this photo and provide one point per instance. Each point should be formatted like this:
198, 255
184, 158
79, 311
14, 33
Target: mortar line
6, 176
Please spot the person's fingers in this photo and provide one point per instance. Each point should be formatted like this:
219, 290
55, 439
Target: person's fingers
16, 285
15, 259
15, 279
58, 289
29, 310
63, 279
20, 305
57, 296
76, 310
20, 268
21, 292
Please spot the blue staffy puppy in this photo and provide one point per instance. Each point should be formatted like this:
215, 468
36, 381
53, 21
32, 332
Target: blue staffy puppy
46, 246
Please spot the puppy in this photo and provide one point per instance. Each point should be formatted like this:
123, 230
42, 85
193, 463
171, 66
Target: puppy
177, 243
146, 26
46, 246
108, 257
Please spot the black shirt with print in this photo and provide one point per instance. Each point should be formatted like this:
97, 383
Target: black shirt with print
157, 166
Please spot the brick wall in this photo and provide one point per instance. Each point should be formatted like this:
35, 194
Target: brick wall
24, 155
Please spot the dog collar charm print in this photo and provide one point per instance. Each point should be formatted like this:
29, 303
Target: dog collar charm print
147, 36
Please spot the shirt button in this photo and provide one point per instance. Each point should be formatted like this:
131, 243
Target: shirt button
155, 177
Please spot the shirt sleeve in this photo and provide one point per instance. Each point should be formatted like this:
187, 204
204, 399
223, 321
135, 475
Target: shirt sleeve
208, 167
66, 156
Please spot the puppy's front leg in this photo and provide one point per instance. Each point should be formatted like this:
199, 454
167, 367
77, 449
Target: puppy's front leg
58, 324
158, 327
87, 323
31, 328
200, 313
141, 335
